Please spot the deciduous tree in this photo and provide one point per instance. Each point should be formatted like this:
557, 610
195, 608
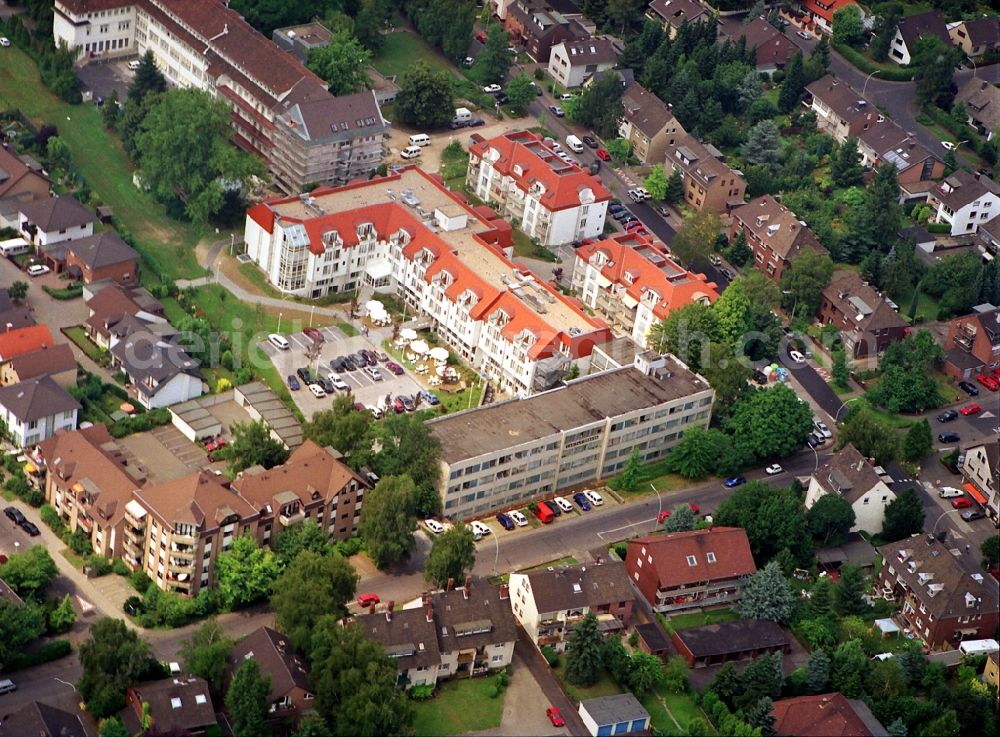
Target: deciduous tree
904, 516
767, 595
520, 92
645, 672
18, 290
452, 555
409, 447
802, 284
774, 520
620, 150
426, 97
675, 677
204, 653
494, 60
292, 541
388, 520
245, 573
934, 63
694, 456
29, 573
629, 477
848, 27
871, 435
583, 652
884, 29
693, 242
311, 586
830, 520
990, 548
771, 422
113, 658
253, 445
918, 441
341, 63
656, 183
687, 333
19, 626
345, 428
247, 701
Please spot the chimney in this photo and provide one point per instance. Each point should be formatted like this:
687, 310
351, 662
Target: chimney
430, 613
504, 592
451, 585
371, 608
388, 611
425, 598
468, 582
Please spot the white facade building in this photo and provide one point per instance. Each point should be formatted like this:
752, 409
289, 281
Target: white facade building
571, 63
33, 410
553, 202
97, 29
850, 476
54, 220
965, 201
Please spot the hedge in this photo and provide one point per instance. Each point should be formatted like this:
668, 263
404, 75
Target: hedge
46, 654
140, 423
64, 294
862, 62
938, 228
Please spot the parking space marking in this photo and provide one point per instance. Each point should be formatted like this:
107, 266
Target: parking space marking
302, 342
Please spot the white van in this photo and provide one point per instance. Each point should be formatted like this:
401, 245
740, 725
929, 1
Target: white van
950, 492
575, 144
279, 341
134, 64
376, 412
420, 139
463, 114
7, 686
14, 246
410, 152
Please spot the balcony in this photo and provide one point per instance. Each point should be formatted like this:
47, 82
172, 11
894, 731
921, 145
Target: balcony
132, 548
85, 523
287, 519
179, 565
182, 551
178, 539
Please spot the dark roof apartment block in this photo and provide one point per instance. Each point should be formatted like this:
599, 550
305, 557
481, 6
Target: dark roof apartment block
646, 111
776, 226
408, 636
825, 715
860, 303
472, 616
578, 586
847, 473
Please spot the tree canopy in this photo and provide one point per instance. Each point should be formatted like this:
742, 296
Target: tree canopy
426, 97
113, 658
452, 555
694, 239
253, 445
830, 520
904, 516
341, 63
311, 586
245, 572
204, 653
774, 520
409, 447
247, 701
388, 520
802, 283
583, 652
345, 428
767, 595
771, 422
29, 573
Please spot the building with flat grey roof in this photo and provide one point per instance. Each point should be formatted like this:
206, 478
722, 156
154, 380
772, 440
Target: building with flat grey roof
585, 430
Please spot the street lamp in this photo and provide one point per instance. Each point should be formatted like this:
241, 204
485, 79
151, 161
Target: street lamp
843, 406
940, 517
279, 322
971, 61
311, 313
866, 81
659, 501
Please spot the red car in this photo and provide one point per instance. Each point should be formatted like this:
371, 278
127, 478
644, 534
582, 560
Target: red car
315, 334
962, 503
989, 382
214, 444
481, 37
972, 409
555, 717
603, 155
366, 600
662, 516
397, 404
395, 368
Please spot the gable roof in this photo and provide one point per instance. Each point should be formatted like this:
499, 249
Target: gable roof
860, 303
56, 213
671, 553
962, 188
677, 12
408, 636
48, 360
318, 116
699, 162
14, 314
579, 586
472, 617
823, 715
826, 8
741, 635
201, 499
109, 306
842, 99
102, 249
151, 361
605, 710
777, 227
24, 340
177, 705
983, 31
593, 50
276, 657
982, 101
36, 398
13, 170
848, 474
41, 720
914, 27
771, 46
646, 111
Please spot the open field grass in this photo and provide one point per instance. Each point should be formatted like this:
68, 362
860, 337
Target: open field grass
400, 50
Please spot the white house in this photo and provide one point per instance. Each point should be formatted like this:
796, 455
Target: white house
981, 469
911, 29
54, 220
571, 63
33, 410
851, 476
964, 201
552, 201
160, 371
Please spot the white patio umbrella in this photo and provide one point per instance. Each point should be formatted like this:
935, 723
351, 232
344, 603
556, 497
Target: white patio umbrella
408, 334
419, 347
439, 354
373, 305
377, 315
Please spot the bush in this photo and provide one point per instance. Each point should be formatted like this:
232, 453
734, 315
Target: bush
350, 546
423, 692
900, 74
938, 228
140, 423
621, 550
118, 567
51, 518
139, 580
551, 656
52, 650
494, 692
99, 565
71, 292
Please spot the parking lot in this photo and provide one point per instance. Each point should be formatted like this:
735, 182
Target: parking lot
364, 389
102, 77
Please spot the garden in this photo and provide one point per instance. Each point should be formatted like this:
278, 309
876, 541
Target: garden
459, 706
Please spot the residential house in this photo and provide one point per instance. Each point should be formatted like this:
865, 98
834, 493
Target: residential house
774, 234
723, 642
181, 706
849, 475
981, 469
507, 452
648, 124
408, 637
982, 105
537, 27
912, 28
110, 306
19, 341
988, 237
772, 48
96, 258
634, 284
867, 322
695, 569
553, 202
942, 603
280, 111
823, 715
618, 714
977, 36
54, 220
501, 8
672, 14
571, 63
34, 410
886, 143
821, 12
159, 371
19, 183
450, 262
291, 696
14, 314
708, 183
841, 111
41, 720
56, 361
89, 481
972, 344
548, 604
991, 672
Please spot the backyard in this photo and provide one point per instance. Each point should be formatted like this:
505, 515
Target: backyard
699, 619
460, 706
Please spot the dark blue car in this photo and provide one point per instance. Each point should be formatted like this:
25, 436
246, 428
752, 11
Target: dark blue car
581, 501
735, 481
505, 521
293, 383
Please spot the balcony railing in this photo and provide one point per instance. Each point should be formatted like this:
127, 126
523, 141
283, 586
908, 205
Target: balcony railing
292, 518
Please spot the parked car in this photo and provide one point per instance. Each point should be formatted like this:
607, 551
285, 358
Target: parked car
327, 385
589, 141
434, 526
804, 34
773, 469
639, 194
949, 437
15, 515
366, 600
305, 374
429, 397
38, 270
989, 382
971, 409
479, 529
317, 391
662, 516
973, 514
759, 377
603, 155
947, 416
408, 404
796, 356
563, 504
314, 334
614, 207
338, 383
492, 89
505, 521
394, 368
397, 406
279, 341
814, 442
968, 388
950, 492
4, 41
519, 519
374, 373
476, 122
555, 717
481, 37
822, 429
735, 481
593, 497
581, 501
30, 528
551, 504
501, 99
963, 502
213, 444
556, 110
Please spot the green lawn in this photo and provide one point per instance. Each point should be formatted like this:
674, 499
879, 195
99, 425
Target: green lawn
651, 475
78, 335
460, 706
401, 49
346, 328
524, 247
700, 619
253, 274
658, 716
569, 560
167, 245
605, 686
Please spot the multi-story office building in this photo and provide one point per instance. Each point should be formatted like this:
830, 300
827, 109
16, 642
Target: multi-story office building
407, 234
565, 438
279, 110
552, 201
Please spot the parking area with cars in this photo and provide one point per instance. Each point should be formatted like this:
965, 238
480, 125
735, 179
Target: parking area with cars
368, 381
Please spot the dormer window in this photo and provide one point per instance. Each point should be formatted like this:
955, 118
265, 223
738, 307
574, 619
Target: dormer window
365, 231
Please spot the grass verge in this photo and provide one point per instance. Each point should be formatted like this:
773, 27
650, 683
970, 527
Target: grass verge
700, 619
78, 335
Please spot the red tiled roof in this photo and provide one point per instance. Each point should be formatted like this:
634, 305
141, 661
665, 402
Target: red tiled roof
24, 340
825, 8
15, 171
563, 185
670, 555
824, 715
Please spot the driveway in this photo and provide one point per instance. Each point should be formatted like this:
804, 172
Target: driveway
52, 312
101, 78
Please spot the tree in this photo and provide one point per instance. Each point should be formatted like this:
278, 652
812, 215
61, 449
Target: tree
520, 92
583, 652
675, 676
687, 333
111, 110
848, 26
771, 422
112, 727
817, 672
204, 653
694, 456
245, 573
292, 541
58, 153
990, 548
645, 672
802, 283
341, 63
370, 21
63, 617
355, 683
113, 658
656, 183
775, 523
838, 371
408, 447
681, 519
884, 29
29, 573
494, 60
629, 477
388, 520
312, 725
761, 146
904, 516
426, 97
871, 435
598, 107
897, 728
452, 555
185, 154
18, 291
793, 85
918, 442
675, 187
849, 666
727, 374
830, 520
845, 164
946, 725
247, 701
693, 242
253, 445
767, 595
761, 716
20, 624
620, 150
313, 585
934, 63
345, 428
850, 591
732, 314
147, 80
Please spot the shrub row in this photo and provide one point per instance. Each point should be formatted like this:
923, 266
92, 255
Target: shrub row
902, 74
71, 292
140, 423
46, 654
